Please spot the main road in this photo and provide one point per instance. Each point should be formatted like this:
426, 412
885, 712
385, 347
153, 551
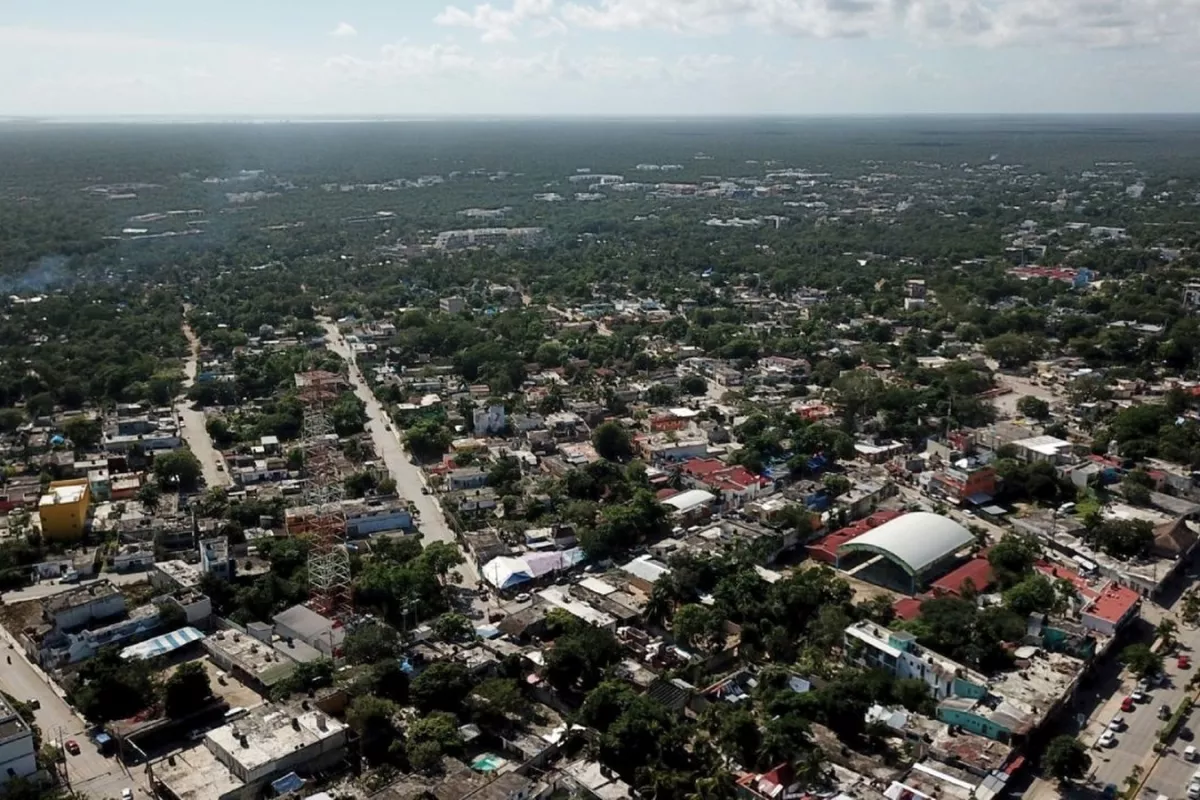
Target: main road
193, 420
408, 476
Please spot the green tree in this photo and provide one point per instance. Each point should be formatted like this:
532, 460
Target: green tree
697, 626
150, 495
84, 432
1066, 759
453, 627
496, 699
694, 385
371, 643
1033, 594
187, 691
612, 441
373, 719
178, 469
1141, 660
430, 739
739, 736
1012, 559
1034, 407
442, 687
836, 485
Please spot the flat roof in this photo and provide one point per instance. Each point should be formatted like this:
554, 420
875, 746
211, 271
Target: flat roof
62, 495
1046, 445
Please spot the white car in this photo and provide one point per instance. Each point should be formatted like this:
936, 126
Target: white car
1193, 790
1140, 696
1108, 739
1117, 724
523, 597
127, 793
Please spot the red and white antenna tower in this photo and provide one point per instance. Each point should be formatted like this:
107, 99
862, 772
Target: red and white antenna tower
324, 493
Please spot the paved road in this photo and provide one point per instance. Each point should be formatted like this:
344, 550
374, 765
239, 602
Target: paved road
90, 773
194, 431
408, 476
49, 589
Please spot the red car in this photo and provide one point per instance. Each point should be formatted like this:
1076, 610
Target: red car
1184, 662
72, 746
1127, 705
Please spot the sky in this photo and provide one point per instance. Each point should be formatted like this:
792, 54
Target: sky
358, 58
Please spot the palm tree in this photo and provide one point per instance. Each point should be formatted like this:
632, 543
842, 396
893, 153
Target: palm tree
1166, 631
662, 601
720, 786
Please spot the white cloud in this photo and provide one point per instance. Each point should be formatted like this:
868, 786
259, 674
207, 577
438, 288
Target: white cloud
1079, 23
344, 30
495, 23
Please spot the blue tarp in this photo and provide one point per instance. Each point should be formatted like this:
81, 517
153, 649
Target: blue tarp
287, 784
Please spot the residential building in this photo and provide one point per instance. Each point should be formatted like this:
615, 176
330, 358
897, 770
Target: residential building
238, 760
452, 305
490, 420
301, 622
466, 478
215, 557
17, 756
63, 510
75, 608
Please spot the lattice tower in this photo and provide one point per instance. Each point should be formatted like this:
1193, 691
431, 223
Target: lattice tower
324, 493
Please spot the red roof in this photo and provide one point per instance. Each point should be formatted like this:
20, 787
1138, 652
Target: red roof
663, 494
1114, 603
825, 548
977, 570
907, 608
701, 467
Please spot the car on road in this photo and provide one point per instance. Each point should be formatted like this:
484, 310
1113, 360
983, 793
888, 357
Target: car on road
71, 746
1127, 704
1108, 739
523, 597
1140, 696
127, 793
1184, 662
34, 703
1189, 753
1193, 790
1117, 724
1164, 711
1186, 734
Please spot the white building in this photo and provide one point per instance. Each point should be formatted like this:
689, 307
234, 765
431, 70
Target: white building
236, 761
897, 653
17, 757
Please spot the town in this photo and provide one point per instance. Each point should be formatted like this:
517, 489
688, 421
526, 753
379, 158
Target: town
472, 513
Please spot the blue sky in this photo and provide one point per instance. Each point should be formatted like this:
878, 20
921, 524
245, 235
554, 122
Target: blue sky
656, 57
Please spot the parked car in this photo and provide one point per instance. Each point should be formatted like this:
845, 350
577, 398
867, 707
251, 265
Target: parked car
1108, 739
523, 597
126, 794
1117, 724
1184, 662
1189, 753
1164, 711
1186, 734
1127, 704
1140, 696
1193, 790
71, 746
34, 703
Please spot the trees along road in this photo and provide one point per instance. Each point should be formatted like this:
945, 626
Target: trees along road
193, 421
408, 476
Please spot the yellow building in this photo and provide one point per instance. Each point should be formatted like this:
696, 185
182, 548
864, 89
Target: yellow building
64, 510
